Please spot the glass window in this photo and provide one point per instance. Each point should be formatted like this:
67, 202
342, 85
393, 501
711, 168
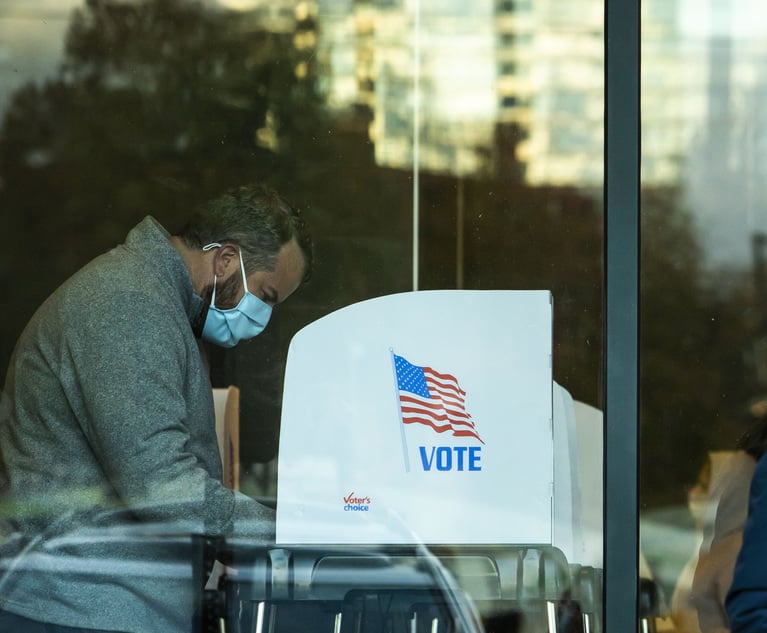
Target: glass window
429, 149
701, 282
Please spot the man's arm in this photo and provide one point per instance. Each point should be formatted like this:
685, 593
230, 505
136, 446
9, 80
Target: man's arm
132, 372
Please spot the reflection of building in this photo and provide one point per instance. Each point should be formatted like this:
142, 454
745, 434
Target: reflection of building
426, 73
470, 67
527, 70
703, 122
347, 31
436, 59
674, 80
535, 70
557, 71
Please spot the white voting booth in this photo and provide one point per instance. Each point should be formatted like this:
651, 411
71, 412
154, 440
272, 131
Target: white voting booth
431, 476
432, 417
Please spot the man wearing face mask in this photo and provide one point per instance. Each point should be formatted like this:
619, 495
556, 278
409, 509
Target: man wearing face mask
108, 451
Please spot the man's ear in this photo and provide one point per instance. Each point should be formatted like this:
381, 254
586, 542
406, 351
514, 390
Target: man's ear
227, 261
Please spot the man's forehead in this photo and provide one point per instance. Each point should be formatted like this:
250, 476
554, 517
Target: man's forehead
287, 274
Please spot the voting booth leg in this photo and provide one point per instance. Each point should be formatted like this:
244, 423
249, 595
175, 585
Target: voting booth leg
515, 589
587, 591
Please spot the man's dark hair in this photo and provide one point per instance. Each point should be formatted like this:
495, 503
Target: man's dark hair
258, 219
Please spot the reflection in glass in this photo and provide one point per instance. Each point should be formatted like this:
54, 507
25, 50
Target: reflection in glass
448, 145
702, 323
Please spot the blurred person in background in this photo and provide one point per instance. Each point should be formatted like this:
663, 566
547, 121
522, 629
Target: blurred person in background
702, 502
722, 536
719, 505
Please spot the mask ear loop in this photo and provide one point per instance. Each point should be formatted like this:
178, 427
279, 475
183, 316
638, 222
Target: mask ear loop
206, 248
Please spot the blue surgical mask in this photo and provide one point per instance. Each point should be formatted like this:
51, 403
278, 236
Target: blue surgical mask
244, 321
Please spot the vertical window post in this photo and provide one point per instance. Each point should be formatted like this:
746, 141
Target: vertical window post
621, 379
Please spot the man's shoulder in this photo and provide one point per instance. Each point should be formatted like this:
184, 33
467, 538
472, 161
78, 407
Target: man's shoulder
135, 267
132, 279
116, 284
114, 273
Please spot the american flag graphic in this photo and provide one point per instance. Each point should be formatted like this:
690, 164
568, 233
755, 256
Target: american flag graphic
434, 399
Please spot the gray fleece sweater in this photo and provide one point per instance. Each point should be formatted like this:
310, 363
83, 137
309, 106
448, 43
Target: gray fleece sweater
108, 454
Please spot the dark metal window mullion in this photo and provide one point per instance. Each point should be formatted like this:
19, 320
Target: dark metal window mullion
621, 361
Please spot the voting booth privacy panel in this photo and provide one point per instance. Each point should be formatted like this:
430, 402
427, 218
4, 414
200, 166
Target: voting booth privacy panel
429, 477
424, 417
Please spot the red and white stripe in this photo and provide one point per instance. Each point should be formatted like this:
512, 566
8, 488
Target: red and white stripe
444, 411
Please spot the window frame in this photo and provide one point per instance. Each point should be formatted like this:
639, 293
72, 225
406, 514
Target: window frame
621, 300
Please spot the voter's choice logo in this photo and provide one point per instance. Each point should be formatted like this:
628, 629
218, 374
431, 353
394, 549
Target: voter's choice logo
434, 399
357, 503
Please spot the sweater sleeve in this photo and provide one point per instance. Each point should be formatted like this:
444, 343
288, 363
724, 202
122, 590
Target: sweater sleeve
747, 598
129, 361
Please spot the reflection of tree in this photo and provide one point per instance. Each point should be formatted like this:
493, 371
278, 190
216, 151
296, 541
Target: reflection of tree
520, 238
157, 105
694, 382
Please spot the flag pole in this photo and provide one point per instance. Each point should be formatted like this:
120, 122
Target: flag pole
399, 408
